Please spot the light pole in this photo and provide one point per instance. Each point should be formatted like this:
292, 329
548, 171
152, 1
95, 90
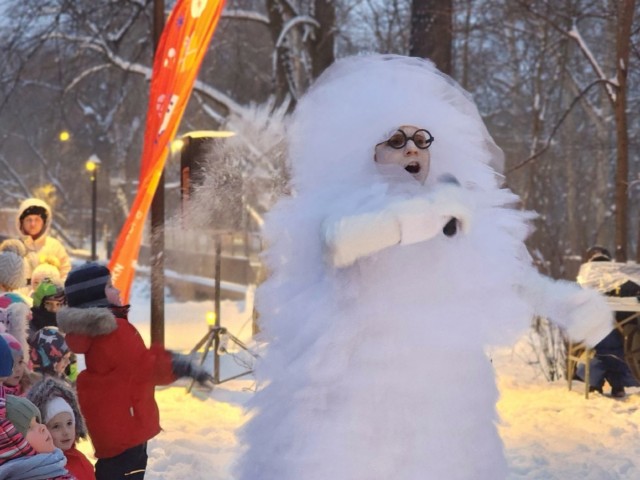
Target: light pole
157, 218
93, 165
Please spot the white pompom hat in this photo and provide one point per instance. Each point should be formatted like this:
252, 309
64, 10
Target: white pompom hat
49, 267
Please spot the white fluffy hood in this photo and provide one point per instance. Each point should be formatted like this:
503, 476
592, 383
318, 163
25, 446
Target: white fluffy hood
338, 147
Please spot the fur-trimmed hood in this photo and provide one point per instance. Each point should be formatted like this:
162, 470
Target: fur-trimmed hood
49, 388
87, 321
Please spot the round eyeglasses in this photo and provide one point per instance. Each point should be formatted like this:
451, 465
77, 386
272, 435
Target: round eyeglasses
421, 138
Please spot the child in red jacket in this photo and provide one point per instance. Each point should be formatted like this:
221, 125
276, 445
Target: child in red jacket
60, 412
116, 391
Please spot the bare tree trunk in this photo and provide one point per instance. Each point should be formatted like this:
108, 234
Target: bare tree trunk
623, 44
464, 63
431, 32
323, 53
294, 61
638, 245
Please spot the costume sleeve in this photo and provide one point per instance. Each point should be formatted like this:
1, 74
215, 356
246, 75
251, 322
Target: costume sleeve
582, 312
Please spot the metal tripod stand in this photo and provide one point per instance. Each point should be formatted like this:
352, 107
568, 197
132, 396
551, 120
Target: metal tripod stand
212, 338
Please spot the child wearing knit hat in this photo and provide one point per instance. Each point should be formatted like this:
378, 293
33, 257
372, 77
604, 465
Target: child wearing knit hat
6, 361
50, 354
116, 391
26, 446
14, 317
12, 265
48, 298
48, 268
20, 379
58, 405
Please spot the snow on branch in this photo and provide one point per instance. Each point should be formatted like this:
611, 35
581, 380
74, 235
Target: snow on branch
91, 43
299, 20
84, 74
609, 84
125, 64
292, 8
97, 45
117, 36
17, 178
210, 112
220, 98
237, 14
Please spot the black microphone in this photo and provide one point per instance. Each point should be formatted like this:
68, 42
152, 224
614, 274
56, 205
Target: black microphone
451, 227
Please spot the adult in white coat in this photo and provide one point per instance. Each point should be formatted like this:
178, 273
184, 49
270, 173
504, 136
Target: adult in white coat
396, 261
33, 221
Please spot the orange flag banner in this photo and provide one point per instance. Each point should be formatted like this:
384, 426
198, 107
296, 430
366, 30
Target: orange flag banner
182, 46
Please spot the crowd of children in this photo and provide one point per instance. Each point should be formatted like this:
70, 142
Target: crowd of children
47, 314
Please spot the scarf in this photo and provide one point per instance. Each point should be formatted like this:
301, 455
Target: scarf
41, 466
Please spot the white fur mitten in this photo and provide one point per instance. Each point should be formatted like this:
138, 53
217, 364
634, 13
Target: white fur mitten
402, 222
357, 236
423, 218
591, 318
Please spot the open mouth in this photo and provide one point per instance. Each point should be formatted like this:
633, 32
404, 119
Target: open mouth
413, 168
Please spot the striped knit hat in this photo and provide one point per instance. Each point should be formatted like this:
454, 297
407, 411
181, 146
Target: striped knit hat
12, 443
85, 286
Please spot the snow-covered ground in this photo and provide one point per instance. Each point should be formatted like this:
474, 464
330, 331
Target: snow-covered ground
549, 432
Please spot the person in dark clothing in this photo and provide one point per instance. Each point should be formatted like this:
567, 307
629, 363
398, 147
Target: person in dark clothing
609, 363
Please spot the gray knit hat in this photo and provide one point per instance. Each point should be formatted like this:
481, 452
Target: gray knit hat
20, 412
14, 245
11, 270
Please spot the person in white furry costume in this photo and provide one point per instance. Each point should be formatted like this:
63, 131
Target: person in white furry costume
388, 280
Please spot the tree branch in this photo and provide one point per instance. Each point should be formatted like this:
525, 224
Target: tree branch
556, 127
238, 14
